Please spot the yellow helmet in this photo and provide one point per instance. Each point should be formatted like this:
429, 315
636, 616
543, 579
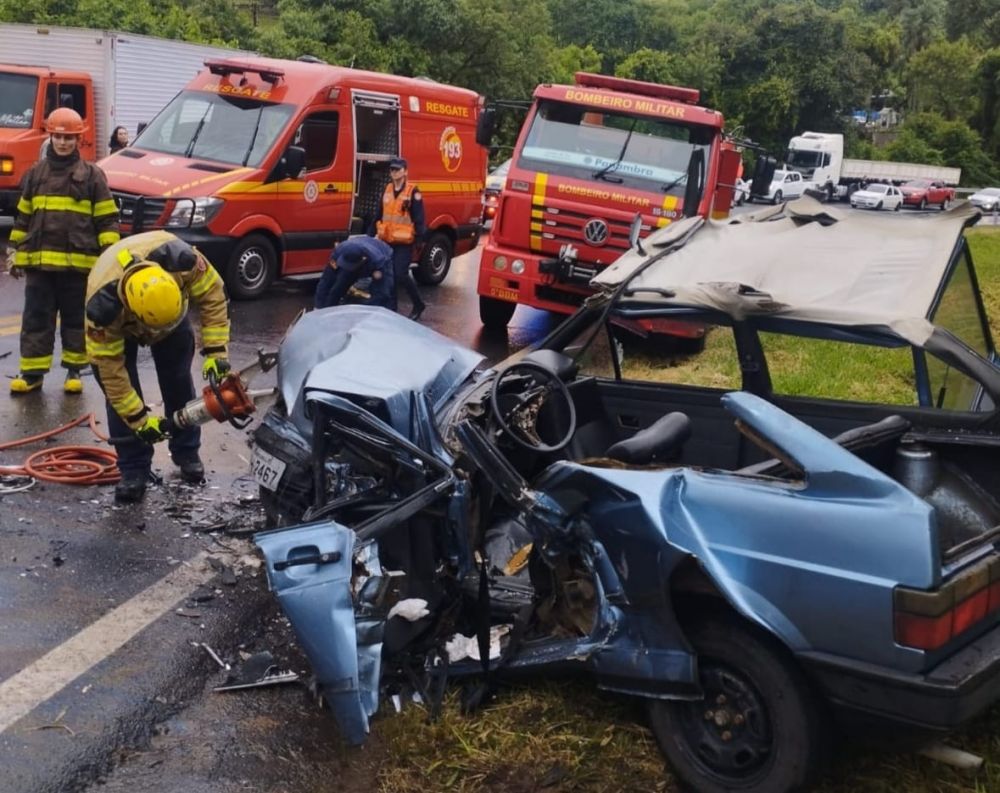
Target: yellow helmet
153, 295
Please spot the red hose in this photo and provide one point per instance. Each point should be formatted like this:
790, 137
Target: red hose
68, 465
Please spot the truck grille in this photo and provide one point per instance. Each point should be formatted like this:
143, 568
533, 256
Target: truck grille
560, 226
138, 213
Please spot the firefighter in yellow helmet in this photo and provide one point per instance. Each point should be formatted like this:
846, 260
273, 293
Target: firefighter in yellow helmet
138, 295
65, 218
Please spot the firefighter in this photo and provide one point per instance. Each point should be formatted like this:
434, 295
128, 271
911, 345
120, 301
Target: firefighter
354, 258
65, 218
400, 223
137, 295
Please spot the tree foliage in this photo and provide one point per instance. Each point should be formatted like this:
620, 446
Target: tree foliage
772, 67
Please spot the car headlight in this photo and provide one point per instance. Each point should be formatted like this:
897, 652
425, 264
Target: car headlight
193, 212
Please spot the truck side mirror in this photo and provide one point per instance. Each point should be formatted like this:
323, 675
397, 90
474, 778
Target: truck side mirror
633, 234
763, 174
486, 125
292, 163
695, 182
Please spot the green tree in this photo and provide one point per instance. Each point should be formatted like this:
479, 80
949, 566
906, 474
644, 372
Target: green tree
942, 78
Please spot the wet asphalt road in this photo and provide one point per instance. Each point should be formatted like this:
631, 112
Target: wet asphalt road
75, 568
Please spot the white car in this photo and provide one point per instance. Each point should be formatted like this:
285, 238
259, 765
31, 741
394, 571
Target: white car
784, 186
741, 192
878, 196
987, 199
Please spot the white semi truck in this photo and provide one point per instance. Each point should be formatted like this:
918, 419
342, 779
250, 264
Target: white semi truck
819, 157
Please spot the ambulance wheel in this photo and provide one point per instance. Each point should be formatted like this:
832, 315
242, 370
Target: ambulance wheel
495, 314
435, 261
252, 267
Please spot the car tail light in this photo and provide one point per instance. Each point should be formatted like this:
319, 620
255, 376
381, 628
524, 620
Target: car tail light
929, 620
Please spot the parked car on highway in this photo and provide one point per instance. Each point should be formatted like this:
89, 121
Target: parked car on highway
923, 192
744, 560
988, 198
491, 193
742, 192
877, 196
785, 185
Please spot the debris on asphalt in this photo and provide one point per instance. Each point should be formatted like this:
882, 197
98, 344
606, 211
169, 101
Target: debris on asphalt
193, 614
257, 671
222, 664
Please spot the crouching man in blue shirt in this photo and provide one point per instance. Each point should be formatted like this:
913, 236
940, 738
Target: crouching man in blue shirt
351, 260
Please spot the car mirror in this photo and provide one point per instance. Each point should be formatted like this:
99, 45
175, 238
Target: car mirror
485, 126
763, 175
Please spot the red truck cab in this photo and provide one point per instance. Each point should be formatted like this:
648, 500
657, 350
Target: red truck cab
27, 95
589, 157
921, 193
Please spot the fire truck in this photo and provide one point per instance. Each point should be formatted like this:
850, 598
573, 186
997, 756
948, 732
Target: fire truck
265, 164
589, 157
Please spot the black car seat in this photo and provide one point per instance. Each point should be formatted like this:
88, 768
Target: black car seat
662, 441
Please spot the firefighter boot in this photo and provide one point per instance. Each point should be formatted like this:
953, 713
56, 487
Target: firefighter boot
192, 470
132, 486
73, 384
25, 383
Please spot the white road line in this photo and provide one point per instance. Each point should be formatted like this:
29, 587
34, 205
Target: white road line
55, 670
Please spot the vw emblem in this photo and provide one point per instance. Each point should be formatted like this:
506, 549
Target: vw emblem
595, 232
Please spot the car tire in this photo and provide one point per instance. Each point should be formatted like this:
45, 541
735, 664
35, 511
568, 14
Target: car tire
898, 207
777, 198
435, 260
765, 734
495, 314
252, 267
878, 206
944, 205
923, 204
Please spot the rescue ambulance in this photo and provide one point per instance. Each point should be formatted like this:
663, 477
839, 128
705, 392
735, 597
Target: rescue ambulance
265, 164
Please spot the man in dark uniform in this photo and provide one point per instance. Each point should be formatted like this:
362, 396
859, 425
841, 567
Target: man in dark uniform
352, 259
400, 222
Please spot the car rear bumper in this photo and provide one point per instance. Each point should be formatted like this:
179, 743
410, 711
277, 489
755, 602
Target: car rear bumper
951, 694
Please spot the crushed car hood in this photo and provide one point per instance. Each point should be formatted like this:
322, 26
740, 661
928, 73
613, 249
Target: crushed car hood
372, 356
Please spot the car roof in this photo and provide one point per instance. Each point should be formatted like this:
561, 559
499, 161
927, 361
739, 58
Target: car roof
806, 262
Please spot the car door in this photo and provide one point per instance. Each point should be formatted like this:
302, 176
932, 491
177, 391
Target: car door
794, 186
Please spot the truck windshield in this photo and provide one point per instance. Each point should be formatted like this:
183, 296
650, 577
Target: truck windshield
634, 151
17, 99
803, 160
226, 129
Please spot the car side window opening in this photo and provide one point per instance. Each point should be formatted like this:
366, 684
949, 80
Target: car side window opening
957, 312
318, 136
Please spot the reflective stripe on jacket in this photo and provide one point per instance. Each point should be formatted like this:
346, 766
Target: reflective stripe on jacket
396, 226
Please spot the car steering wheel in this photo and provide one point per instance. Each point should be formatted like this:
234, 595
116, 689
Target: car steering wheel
518, 396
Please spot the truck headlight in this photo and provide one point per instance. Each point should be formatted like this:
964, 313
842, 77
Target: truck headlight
500, 263
193, 212
517, 266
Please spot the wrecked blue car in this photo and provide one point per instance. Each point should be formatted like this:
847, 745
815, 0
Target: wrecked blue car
761, 568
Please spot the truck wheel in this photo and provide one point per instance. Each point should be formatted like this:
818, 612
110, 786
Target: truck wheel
829, 194
757, 729
252, 267
435, 261
923, 204
777, 198
495, 314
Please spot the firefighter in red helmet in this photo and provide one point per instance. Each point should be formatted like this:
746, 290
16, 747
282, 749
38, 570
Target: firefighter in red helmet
65, 218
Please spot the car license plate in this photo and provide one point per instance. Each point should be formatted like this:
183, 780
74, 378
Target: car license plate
266, 469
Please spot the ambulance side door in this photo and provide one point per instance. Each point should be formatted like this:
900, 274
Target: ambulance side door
315, 207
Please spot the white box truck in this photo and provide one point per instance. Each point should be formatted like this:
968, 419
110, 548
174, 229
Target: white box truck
112, 79
819, 157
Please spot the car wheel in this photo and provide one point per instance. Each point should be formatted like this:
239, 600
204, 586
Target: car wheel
923, 204
878, 206
777, 198
898, 207
495, 314
435, 261
944, 204
757, 729
252, 267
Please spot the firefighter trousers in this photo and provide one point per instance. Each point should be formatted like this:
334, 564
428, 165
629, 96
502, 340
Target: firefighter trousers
172, 357
48, 295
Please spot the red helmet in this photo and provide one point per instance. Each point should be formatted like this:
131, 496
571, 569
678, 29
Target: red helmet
65, 121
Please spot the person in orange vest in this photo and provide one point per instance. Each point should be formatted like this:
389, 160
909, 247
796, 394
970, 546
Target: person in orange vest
65, 218
400, 222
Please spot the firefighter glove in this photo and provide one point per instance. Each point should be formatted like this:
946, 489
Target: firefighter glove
153, 429
217, 366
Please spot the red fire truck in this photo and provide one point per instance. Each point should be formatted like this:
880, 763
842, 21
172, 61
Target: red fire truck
264, 164
588, 158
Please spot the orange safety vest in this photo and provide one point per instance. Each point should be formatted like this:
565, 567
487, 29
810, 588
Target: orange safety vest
396, 226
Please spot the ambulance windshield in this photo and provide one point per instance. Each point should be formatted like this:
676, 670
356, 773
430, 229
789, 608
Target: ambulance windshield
226, 129
634, 151
17, 99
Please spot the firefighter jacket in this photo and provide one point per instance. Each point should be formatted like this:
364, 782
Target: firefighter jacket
65, 216
401, 216
109, 321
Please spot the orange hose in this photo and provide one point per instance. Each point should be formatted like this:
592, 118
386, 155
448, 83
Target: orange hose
68, 465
